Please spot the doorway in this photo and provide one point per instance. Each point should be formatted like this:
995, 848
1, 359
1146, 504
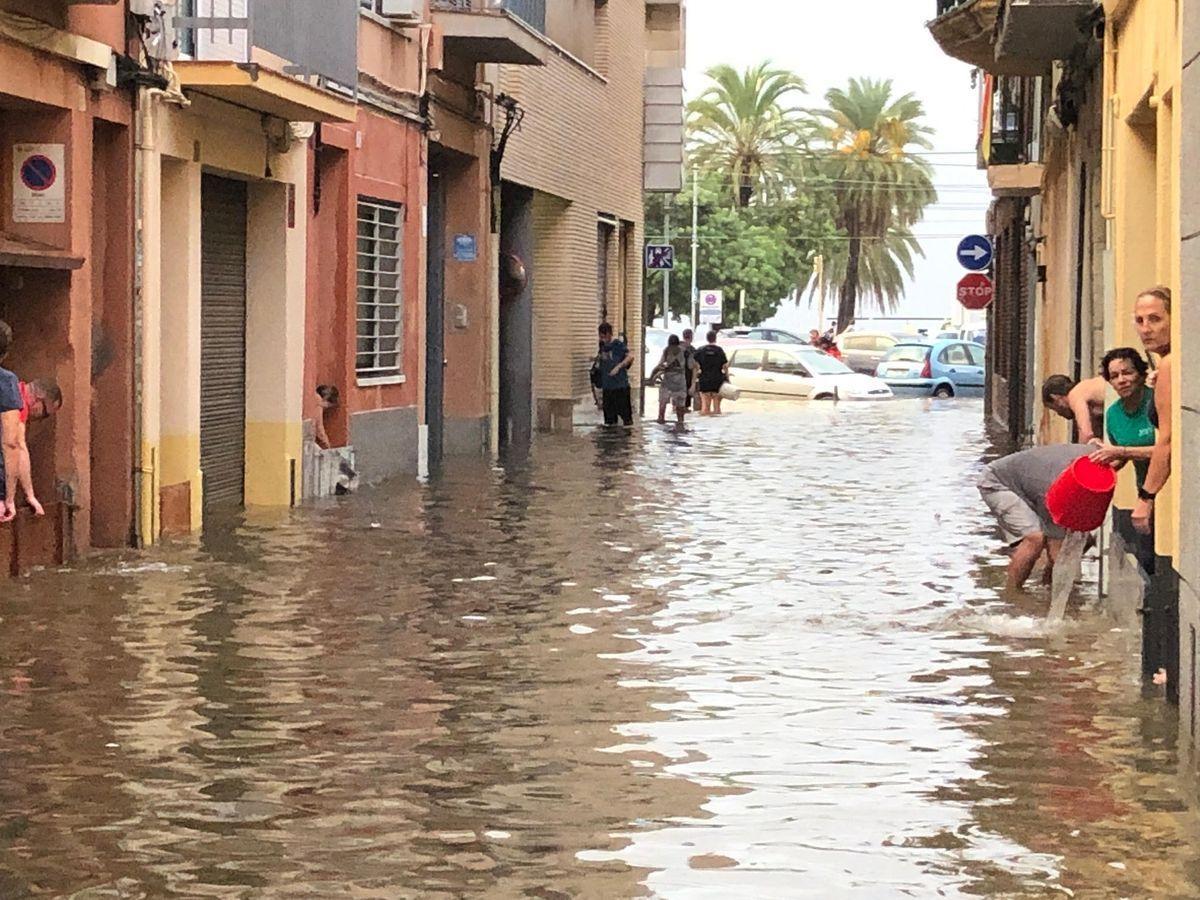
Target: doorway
435, 319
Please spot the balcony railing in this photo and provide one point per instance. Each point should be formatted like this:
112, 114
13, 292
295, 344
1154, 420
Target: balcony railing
944, 6
531, 12
1011, 123
317, 38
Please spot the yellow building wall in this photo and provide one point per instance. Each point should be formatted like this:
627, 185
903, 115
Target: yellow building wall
178, 144
1142, 75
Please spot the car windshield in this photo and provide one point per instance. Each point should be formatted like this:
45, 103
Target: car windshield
915, 353
822, 363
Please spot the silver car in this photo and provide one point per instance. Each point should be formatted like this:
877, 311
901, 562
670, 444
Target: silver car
863, 351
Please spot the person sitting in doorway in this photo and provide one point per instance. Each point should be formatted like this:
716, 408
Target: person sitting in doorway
1082, 403
1129, 420
327, 398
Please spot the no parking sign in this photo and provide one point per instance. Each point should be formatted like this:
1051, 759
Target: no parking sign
39, 184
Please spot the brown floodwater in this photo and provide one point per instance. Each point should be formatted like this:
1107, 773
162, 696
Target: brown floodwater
764, 658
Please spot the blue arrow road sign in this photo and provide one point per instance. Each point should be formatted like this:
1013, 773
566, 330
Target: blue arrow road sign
975, 252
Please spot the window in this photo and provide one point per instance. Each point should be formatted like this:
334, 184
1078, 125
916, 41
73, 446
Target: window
978, 358
783, 363
857, 342
380, 325
916, 353
821, 363
746, 359
955, 355
884, 343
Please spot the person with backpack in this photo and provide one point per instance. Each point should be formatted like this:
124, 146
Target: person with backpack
675, 368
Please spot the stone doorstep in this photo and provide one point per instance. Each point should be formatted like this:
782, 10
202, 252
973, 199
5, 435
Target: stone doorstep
321, 469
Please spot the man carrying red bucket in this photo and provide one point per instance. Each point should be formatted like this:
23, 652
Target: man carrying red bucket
1040, 494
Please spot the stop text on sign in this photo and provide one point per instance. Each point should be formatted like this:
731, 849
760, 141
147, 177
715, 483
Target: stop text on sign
975, 291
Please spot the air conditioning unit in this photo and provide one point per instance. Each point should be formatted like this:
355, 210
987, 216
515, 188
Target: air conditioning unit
401, 10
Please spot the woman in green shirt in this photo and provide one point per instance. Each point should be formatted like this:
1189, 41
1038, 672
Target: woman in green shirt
1128, 421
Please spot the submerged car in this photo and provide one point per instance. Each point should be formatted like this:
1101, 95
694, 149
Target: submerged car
760, 334
863, 351
801, 372
946, 368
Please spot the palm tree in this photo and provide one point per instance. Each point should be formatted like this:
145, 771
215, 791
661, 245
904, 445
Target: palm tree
880, 188
741, 129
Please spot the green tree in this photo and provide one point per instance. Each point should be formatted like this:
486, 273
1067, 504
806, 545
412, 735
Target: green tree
741, 129
765, 250
880, 189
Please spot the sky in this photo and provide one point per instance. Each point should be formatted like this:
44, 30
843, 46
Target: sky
827, 42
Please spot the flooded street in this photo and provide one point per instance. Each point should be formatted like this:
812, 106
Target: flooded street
765, 658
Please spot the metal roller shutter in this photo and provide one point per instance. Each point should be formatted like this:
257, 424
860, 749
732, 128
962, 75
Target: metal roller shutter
223, 340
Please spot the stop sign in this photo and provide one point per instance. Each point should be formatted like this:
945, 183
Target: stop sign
975, 291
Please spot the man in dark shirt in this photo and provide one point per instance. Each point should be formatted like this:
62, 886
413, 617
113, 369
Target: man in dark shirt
689, 353
615, 360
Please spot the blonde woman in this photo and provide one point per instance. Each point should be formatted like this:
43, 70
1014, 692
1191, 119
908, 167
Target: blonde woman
1152, 316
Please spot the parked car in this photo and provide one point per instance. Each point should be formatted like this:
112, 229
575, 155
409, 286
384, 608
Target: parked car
799, 371
974, 335
863, 351
947, 368
771, 335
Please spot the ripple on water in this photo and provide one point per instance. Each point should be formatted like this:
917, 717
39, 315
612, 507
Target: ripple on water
766, 658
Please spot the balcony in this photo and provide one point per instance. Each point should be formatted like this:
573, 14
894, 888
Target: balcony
493, 31
1042, 30
296, 60
1017, 37
1007, 145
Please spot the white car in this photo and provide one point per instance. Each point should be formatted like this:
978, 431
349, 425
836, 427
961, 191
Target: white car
656, 343
800, 371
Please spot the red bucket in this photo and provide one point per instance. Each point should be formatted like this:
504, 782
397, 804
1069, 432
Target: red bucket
1079, 499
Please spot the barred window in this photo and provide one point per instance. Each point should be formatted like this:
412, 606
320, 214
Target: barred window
380, 326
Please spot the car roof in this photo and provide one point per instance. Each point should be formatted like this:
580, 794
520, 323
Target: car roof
778, 345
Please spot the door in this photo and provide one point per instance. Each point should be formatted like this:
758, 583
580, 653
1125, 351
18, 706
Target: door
223, 340
975, 371
955, 363
745, 370
784, 376
435, 324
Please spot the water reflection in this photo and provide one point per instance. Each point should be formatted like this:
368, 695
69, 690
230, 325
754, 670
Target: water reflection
764, 657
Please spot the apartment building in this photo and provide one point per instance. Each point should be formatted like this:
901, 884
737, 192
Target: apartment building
1090, 94
573, 177
66, 264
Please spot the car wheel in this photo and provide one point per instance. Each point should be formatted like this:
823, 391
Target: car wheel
943, 392
824, 397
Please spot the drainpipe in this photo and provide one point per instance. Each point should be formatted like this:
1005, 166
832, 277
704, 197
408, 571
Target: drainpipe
144, 530
141, 130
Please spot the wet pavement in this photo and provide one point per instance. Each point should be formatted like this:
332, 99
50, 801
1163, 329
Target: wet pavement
764, 658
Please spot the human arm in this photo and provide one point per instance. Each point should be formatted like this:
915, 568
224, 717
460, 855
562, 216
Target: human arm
625, 363
1109, 454
319, 434
1081, 411
10, 421
1160, 458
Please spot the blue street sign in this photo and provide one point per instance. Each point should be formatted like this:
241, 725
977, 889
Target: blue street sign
975, 252
660, 257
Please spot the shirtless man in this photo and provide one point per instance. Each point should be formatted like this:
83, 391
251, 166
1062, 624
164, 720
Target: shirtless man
1081, 403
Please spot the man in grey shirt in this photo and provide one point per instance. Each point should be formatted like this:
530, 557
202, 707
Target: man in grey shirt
1014, 488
